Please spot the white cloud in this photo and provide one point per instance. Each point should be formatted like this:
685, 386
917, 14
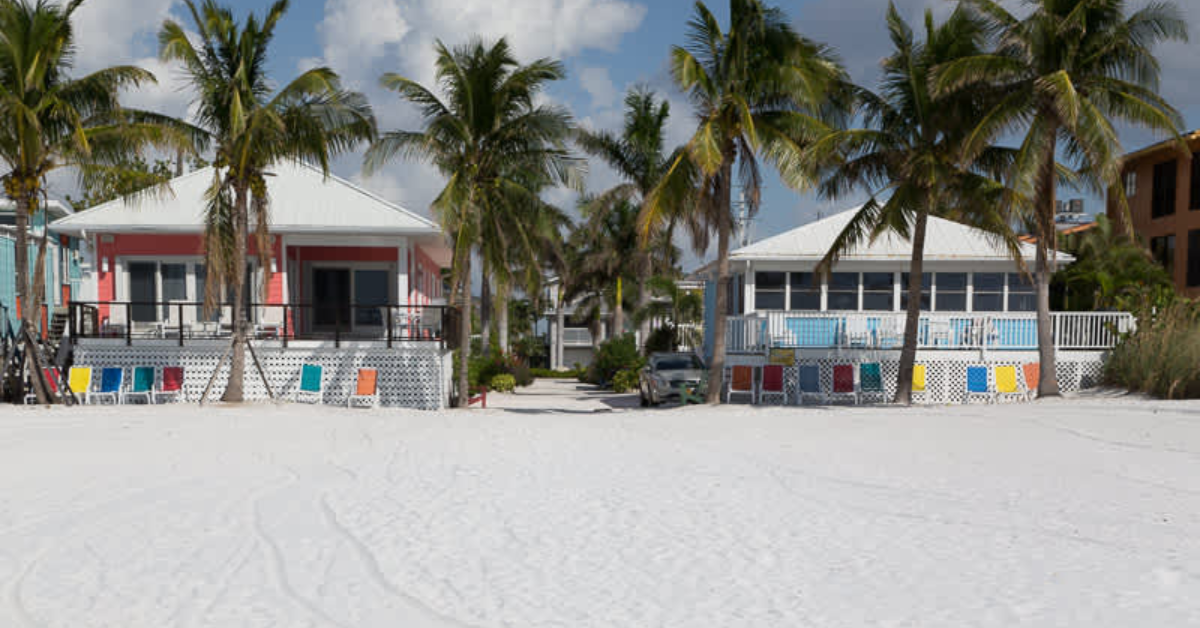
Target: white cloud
117, 31
598, 84
357, 32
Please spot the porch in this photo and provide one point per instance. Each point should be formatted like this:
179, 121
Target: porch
760, 332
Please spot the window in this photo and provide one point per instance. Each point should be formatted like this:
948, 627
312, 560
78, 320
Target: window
1163, 250
1130, 183
843, 291
989, 292
926, 285
878, 291
174, 286
1194, 201
769, 290
1193, 267
806, 291
951, 292
1022, 294
1162, 201
143, 291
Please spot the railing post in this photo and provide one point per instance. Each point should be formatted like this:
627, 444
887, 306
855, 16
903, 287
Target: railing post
128, 324
179, 312
287, 308
389, 327
337, 326
70, 321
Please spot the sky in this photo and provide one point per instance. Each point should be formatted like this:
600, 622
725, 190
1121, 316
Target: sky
607, 46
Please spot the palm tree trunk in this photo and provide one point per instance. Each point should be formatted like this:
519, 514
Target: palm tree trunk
464, 334
485, 308
22, 259
1048, 382
38, 289
24, 295
716, 370
502, 294
560, 321
235, 391
912, 318
618, 312
644, 299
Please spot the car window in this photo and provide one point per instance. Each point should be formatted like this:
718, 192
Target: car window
677, 364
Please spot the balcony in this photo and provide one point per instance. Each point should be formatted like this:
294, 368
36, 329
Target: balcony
180, 322
759, 332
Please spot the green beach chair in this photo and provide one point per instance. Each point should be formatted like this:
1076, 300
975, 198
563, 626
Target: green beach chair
312, 384
870, 381
142, 385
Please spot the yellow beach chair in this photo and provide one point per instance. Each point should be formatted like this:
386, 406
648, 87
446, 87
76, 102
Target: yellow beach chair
80, 382
919, 383
1006, 383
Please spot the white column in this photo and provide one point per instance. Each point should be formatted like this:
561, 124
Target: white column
898, 289
748, 289
824, 292
970, 292
402, 272
282, 267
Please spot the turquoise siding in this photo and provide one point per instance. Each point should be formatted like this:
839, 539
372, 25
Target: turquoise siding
54, 253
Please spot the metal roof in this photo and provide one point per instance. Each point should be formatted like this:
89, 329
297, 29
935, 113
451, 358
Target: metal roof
303, 200
56, 208
945, 240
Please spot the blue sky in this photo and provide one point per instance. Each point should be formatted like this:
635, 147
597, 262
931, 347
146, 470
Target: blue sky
607, 46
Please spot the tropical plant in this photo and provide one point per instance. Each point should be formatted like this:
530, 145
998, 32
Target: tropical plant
252, 127
757, 90
1111, 272
52, 120
909, 157
1063, 75
503, 383
607, 256
1162, 356
637, 155
496, 147
681, 311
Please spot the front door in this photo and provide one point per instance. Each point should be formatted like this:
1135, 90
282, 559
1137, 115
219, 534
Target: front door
370, 297
143, 291
331, 297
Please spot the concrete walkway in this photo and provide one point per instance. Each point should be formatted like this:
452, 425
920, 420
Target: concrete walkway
562, 396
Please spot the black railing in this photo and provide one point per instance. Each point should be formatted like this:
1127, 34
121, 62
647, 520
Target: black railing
182, 321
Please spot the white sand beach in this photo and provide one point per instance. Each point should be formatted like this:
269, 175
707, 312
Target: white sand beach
1081, 512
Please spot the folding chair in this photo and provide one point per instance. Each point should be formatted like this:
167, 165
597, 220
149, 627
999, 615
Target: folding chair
1006, 383
843, 382
80, 382
1032, 372
810, 382
772, 384
312, 384
366, 389
51, 376
920, 382
141, 386
112, 380
171, 384
870, 381
978, 384
740, 383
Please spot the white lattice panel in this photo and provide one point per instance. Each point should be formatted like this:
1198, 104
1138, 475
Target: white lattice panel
411, 376
945, 371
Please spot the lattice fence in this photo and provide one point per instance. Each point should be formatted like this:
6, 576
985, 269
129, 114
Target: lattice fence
413, 376
945, 372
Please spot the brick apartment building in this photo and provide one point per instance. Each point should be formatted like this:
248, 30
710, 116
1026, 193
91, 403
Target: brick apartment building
1163, 187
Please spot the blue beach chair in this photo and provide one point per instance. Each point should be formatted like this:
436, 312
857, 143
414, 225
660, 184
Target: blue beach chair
112, 379
809, 382
978, 384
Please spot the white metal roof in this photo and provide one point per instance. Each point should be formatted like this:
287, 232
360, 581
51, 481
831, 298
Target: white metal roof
945, 240
57, 208
303, 200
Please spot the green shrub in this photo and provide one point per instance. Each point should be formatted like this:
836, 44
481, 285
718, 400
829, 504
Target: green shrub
503, 383
1161, 358
522, 374
625, 381
664, 339
616, 355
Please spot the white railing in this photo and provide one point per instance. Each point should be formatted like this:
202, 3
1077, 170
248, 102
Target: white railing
577, 337
758, 332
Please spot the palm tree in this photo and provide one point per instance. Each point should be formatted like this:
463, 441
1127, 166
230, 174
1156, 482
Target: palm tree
756, 89
1063, 75
493, 143
682, 309
52, 120
312, 118
910, 151
637, 156
608, 254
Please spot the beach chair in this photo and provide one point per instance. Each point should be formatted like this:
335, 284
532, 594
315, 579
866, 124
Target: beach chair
1032, 372
51, 375
170, 385
858, 331
312, 384
870, 381
843, 383
112, 382
772, 384
739, 380
809, 376
1007, 386
920, 382
141, 386
79, 380
978, 384
366, 389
